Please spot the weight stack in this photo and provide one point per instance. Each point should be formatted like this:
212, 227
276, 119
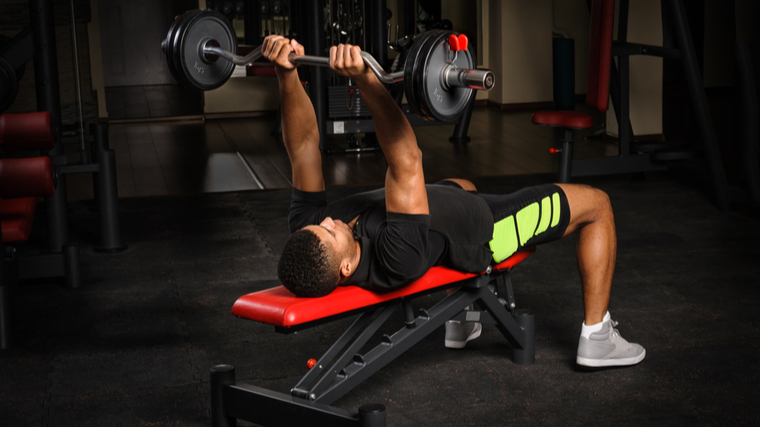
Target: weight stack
563, 56
345, 101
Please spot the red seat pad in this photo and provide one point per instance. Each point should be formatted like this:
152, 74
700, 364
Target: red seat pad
277, 306
568, 119
16, 218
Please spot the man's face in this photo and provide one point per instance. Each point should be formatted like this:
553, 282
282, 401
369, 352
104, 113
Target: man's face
336, 234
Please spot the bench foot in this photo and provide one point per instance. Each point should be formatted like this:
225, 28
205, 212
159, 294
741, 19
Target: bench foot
527, 321
230, 402
221, 375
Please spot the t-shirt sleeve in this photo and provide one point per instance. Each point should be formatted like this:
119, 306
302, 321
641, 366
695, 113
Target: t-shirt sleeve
402, 247
305, 208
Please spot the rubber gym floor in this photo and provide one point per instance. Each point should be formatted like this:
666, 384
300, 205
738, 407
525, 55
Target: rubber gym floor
133, 345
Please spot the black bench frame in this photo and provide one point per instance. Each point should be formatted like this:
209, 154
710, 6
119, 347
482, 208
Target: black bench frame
341, 368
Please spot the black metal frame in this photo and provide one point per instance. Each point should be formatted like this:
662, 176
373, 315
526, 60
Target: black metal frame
59, 259
677, 44
342, 368
319, 77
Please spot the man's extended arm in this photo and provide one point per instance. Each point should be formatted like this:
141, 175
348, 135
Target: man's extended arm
404, 181
299, 122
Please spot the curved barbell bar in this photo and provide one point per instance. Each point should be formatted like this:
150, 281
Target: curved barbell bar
454, 77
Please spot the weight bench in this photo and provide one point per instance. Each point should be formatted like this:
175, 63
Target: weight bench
342, 368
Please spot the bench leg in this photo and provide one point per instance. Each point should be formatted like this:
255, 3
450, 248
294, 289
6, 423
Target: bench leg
221, 375
527, 321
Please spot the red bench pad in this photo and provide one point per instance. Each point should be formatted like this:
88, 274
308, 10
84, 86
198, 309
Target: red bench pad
277, 306
16, 218
568, 119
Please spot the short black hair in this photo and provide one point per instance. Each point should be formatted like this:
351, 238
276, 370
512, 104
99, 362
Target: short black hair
308, 267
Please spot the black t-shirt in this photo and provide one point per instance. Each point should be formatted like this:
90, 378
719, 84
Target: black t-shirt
399, 248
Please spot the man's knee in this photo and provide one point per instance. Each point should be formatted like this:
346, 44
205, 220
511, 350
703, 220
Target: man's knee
603, 202
587, 204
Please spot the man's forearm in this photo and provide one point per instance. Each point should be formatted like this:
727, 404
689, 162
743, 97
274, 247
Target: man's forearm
300, 133
393, 131
299, 122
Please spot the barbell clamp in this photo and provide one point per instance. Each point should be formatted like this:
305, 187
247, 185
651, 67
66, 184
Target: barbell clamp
473, 79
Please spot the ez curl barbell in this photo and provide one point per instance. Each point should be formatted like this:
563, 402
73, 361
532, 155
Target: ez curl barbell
439, 74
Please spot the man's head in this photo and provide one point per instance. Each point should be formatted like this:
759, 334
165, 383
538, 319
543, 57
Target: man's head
317, 258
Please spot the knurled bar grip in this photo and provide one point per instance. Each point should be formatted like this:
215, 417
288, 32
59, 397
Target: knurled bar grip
454, 77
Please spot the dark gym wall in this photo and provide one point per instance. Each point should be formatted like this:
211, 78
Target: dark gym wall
131, 31
14, 16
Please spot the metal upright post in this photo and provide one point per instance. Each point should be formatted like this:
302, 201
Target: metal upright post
106, 190
379, 48
318, 80
624, 119
252, 22
749, 121
48, 99
683, 36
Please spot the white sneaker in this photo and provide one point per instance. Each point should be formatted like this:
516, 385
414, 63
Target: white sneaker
607, 348
457, 334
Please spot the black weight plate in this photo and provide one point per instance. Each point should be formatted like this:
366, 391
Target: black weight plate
173, 49
436, 100
411, 65
200, 28
417, 78
166, 47
20, 70
8, 85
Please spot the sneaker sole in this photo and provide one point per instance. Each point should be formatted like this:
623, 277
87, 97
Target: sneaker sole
600, 363
460, 344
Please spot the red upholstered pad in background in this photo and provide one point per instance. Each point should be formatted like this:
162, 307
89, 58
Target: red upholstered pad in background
277, 306
260, 70
568, 119
27, 131
31, 176
16, 218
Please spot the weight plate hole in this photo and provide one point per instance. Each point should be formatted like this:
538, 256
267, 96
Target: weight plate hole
210, 57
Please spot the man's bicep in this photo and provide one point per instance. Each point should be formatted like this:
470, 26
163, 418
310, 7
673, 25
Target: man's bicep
405, 187
307, 170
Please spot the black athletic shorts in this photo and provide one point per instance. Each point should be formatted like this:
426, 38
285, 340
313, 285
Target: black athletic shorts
528, 217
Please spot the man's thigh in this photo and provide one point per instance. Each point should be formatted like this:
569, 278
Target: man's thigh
528, 217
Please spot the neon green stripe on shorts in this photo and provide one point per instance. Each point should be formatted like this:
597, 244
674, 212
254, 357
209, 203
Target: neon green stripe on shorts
509, 234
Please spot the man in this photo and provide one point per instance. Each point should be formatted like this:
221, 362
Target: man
387, 238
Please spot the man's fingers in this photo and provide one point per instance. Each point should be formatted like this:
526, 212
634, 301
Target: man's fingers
268, 45
347, 59
333, 55
340, 60
356, 54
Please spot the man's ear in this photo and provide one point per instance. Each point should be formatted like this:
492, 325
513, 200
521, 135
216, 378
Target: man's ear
345, 269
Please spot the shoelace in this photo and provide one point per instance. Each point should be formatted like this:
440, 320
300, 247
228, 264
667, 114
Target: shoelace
613, 324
